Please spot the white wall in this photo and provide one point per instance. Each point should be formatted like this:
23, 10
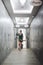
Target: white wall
36, 31
6, 33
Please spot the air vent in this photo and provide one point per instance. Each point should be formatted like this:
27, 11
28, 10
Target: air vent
36, 2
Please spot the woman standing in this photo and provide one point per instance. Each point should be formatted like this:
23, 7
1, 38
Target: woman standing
20, 39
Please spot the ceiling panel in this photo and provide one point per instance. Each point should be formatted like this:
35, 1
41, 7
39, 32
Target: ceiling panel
21, 20
17, 8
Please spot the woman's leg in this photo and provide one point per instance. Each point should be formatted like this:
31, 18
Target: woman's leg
19, 45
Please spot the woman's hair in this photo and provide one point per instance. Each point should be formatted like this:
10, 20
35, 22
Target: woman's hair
20, 30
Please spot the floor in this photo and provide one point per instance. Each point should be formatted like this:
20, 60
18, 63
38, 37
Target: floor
23, 57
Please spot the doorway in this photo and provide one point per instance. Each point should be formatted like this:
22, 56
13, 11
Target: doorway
24, 37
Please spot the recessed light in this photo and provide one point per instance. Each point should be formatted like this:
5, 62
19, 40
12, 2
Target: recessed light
17, 25
22, 20
22, 2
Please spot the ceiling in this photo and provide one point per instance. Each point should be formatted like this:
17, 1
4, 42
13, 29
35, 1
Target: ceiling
20, 6
16, 10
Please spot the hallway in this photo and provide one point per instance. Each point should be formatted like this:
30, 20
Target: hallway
27, 16
23, 57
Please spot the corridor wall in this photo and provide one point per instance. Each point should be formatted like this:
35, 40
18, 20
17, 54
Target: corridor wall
6, 33
15, 37
28, 36
36, 35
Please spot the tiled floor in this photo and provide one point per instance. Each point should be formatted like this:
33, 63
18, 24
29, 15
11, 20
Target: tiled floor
23, 57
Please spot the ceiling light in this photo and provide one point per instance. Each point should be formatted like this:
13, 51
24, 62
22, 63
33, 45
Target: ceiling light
17, 25
21, 21
22, 2
21, 11
26, 26
12, 5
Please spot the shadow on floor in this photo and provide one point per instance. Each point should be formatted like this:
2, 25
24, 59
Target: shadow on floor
39, 54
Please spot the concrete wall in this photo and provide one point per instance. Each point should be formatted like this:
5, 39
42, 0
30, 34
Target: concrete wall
28, 36
36, 31
36, 35
15, 38
6, 33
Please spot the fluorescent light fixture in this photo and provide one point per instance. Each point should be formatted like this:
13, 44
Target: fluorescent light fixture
17, 25
22, 21
24, 11
11, 1
25, 25
22, 2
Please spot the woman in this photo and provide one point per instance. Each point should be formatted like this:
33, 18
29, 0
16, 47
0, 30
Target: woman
20, 39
